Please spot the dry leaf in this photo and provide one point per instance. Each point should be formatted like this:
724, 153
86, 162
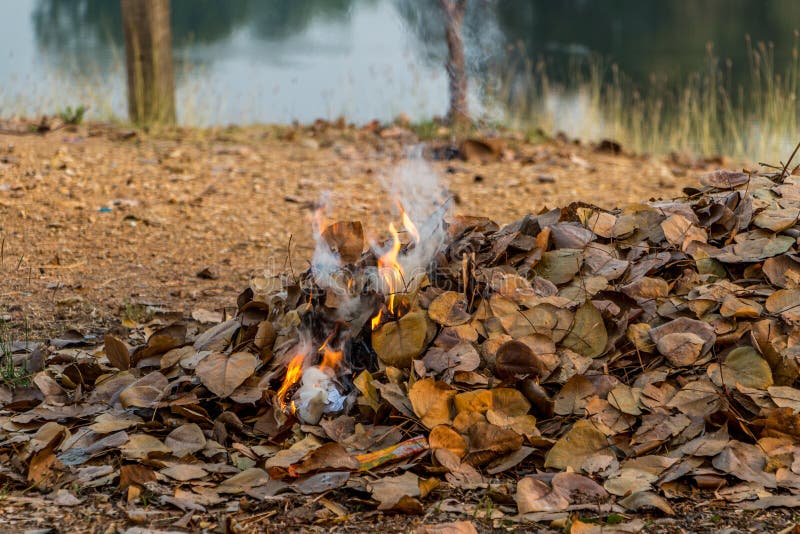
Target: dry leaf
222, 374
432, 401
573, 448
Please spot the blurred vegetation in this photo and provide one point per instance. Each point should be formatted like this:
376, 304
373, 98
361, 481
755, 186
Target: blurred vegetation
639, 71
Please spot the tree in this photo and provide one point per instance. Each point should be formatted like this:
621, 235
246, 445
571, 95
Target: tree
458, 113
148, 61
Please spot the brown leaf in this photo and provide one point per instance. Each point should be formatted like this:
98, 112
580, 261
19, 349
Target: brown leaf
444, 437
222, 374
515, 358
588, 334
786, 303
330, 456
487, 442
724, 179
184, 472
533, 495
746, 462
457, 527
573, 448
135, 474
572, 398
449, 309
743, 366
245, 481
145, 392
432, 401
389, 491
117, 352
186, 439
345, 238
646, 499
399, 342
681, 349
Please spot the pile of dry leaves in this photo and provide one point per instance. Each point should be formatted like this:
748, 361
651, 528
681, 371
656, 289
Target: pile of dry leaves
578, 358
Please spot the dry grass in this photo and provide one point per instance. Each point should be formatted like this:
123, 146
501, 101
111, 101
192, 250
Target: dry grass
702, 115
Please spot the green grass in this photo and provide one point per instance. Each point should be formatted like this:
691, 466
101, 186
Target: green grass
10, 374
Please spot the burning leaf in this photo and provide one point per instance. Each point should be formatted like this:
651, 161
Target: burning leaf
399, 342
432, 401
222, 374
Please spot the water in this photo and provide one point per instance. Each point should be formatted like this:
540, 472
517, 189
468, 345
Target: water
248, 61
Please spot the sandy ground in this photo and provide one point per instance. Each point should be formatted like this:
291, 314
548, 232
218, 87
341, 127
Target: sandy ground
99, 223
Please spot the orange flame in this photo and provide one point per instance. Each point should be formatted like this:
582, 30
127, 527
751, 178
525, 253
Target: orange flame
410, 227
376, 321
330, 358
390, 270
293, 373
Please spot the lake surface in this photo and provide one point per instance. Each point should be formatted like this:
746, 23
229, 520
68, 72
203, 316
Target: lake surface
248, 61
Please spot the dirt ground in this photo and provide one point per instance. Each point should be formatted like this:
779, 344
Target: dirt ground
99, 225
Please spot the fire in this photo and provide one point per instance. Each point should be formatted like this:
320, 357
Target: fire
376, 321
293, 373
410, 227
390, 270
330, 358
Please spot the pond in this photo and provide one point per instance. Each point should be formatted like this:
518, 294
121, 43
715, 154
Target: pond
278, 61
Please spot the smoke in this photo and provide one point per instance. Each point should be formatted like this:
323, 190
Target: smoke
415, 187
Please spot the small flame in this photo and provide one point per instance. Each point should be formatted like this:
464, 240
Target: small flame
390, 270
330, 358
294, 371
376, 321
410, 227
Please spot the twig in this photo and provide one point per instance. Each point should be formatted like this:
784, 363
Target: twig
788, 162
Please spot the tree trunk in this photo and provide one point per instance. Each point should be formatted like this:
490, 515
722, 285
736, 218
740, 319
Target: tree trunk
148, 59
458, 114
